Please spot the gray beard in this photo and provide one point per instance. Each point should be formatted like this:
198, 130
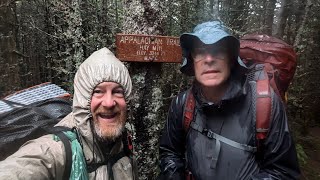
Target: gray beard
116, 133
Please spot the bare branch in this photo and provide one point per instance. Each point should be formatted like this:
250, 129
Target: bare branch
20, 54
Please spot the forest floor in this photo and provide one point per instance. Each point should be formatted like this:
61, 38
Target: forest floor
311, 145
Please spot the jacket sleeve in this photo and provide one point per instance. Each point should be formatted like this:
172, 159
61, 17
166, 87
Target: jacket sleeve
172, 142
279, 157
42, 158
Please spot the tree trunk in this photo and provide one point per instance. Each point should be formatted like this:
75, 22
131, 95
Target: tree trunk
281, 19
9, 62
270, 7
303, 23
184, 19
74, 50
152, 87
214, 8
67, 54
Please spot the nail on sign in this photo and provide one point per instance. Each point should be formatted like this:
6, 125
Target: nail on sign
147, 48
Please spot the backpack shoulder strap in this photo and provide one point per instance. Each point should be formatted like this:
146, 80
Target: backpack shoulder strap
262, 105
127, 143
112, 161
263, 108
76, 165
67, 147
188, 110
126, 152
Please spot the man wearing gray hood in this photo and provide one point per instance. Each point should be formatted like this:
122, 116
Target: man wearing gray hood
102, 86
220, 141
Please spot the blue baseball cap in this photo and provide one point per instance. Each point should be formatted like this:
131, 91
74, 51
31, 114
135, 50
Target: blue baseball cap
208, 33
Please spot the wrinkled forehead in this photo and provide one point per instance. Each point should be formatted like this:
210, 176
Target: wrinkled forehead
109, 85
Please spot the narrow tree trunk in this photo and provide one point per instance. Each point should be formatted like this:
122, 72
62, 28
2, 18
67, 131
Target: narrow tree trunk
184, 9
74, 33
281, 19
214, 8
270, 7
302, 25
48, 29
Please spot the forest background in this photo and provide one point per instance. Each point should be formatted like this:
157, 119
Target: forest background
46, 40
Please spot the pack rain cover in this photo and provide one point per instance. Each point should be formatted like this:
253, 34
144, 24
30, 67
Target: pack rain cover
41, 108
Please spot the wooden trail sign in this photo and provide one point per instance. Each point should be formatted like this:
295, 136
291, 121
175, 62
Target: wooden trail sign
148, 48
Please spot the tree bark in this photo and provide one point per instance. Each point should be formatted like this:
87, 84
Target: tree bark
303, 23
270, 7
184, 19
152, 87
67, 53
281, 19
9, 61
214, 8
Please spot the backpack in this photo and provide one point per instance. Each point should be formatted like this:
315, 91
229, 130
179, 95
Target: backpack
272, 64
277, 57
31, 113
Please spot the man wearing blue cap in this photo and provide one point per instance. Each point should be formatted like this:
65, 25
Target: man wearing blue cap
220, 142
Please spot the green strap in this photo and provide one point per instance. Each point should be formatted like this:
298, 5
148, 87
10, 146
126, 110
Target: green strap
79, 167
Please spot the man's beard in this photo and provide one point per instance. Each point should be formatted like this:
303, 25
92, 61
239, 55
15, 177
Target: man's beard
110, 133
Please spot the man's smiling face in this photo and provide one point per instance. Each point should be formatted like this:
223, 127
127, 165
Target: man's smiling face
109, 110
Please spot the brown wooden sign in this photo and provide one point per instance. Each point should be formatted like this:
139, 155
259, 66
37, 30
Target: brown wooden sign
147, 48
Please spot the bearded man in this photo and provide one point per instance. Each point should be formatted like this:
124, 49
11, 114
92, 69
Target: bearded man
102, 86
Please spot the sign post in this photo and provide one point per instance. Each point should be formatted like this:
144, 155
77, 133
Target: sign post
148, 48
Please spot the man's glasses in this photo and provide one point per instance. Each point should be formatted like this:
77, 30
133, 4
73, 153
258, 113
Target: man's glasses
201, 53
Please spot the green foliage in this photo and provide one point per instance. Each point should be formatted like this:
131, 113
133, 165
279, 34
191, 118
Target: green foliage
301, 154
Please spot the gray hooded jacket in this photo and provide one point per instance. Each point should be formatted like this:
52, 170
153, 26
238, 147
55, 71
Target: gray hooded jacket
44, 158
